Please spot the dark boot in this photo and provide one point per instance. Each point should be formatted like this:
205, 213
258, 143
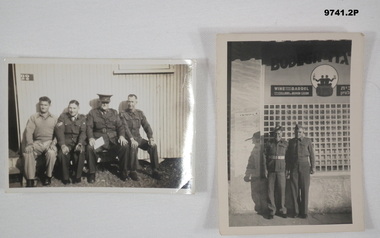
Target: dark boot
77, 180
123, 176
156, 174
66, 181
30, 183
133, 175
91, 178
47, 181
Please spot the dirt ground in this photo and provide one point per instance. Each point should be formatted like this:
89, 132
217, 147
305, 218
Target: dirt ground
108, 176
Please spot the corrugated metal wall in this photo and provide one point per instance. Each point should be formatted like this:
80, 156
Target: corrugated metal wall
164, 98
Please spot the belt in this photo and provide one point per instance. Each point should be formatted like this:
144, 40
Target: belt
276, 157
104, 130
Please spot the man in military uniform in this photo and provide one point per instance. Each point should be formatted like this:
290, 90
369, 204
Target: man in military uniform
39, 141
274, 169
300, 163
71, 135
104, 123
133, 119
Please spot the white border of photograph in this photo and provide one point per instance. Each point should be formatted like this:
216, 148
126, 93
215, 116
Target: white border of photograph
155, 66
356, 103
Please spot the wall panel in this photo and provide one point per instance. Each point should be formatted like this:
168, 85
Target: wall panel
162, 97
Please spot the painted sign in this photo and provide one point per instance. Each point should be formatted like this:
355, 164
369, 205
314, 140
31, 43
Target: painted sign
343, 90
291, 91
27, 77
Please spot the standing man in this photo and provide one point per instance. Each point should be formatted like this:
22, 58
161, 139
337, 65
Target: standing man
274, 169
104, 125
71, 135
133, 119
300, 163
39, 140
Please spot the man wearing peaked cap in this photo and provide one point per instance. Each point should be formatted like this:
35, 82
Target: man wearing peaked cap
274, 169
104, 98
105, 122
300, 163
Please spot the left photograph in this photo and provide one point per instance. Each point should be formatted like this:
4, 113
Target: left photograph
100, 125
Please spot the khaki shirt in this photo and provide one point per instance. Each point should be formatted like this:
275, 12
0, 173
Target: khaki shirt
274, 155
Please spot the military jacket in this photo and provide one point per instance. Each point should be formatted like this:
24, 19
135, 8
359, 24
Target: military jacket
107, 124
274, 155
71, 132
300, 150
132, 121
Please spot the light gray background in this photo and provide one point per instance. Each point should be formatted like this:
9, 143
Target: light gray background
167, 29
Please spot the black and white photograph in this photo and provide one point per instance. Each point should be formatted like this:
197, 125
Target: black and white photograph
100, 125
289, 132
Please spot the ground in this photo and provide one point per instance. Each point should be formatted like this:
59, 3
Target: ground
108, 176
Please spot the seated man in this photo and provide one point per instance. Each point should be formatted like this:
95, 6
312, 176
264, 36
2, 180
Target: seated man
39, 141
133, 119
104, 123
71, 135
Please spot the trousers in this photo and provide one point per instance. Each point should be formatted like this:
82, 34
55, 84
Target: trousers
115, 150
78, 163
300, 183
152, 151
40, 148
279, 179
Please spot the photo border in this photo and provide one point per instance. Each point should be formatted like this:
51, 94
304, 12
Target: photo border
189, 144
356, 128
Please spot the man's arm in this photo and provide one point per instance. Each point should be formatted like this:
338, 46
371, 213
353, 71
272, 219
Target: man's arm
59, 131
128, 133
90, 127
144, 123
30, 127
265, 161
82, 131
312, 157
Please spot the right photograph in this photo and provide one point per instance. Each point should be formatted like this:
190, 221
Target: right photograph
291, 120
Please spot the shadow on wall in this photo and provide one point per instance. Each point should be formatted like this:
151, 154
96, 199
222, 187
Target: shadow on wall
94, 103
254, 170
122, 106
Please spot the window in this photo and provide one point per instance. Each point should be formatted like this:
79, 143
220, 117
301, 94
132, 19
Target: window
323, 124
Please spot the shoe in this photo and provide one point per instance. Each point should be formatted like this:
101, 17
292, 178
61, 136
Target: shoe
123, 176
133, 175
303, 216
47, 181
156, 174
270, 217
91, 178
30, 183
77, 180
283, 215
66, 181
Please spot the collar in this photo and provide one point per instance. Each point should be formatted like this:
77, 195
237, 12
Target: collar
102, 111
76, 116
47, 115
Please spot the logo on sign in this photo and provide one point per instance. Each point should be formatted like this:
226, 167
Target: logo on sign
324, 78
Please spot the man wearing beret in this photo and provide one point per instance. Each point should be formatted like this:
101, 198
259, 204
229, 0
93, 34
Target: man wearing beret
274, 169
133, 119
104, 123
71, 134
39, 134
300, 163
